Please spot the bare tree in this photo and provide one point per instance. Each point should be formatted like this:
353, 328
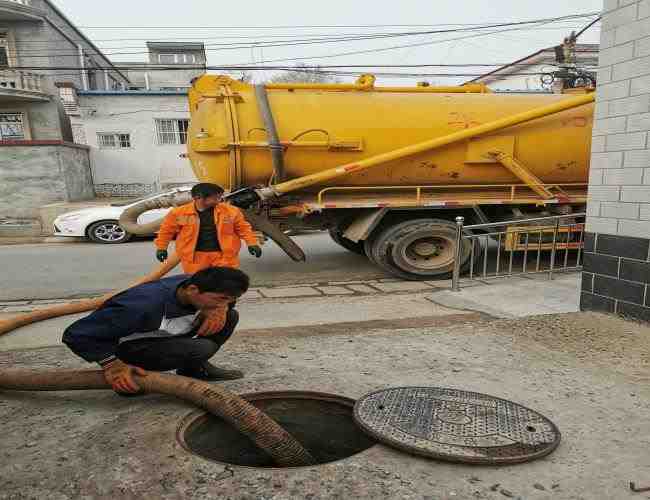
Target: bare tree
303, 74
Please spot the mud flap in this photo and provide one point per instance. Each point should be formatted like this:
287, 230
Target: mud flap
263, 224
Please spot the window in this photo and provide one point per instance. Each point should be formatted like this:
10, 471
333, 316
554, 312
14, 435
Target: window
12, 127
172, 131
4, 53
113, 141
167, 58
177, 58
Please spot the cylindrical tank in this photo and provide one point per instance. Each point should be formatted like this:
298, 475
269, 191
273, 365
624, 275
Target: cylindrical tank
325, 128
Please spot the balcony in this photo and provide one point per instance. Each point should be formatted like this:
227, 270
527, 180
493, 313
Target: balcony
16, 85
19, 10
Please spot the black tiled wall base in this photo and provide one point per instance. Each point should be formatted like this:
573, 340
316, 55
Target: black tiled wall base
616, 275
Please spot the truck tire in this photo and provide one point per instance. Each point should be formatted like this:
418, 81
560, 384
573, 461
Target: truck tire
341, 240
420, 249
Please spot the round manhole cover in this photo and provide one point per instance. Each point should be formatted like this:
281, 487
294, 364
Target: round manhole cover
455, 425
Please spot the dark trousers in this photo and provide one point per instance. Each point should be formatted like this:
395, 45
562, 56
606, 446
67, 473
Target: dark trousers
171, 353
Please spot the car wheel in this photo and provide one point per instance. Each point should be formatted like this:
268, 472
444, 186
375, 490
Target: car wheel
108, 232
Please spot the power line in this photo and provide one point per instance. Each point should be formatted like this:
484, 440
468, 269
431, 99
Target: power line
579, 33
201, 38
281, 68
300, 26
355, 38
384, 49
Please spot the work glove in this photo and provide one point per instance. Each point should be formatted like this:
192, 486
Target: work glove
161, 255
120, 376
213, 320
255, 250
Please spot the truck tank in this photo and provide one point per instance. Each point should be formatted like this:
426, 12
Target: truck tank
322, 127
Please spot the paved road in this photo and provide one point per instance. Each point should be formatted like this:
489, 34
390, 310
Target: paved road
65, 270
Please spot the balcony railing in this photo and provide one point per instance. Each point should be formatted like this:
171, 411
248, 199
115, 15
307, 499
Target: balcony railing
21, 81
22, 2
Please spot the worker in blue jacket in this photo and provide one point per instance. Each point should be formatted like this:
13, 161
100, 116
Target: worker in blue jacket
160, 326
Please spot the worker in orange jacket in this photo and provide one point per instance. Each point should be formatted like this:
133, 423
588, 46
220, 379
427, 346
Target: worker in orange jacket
208, 231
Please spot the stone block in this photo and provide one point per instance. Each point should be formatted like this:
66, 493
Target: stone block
640, 85
623, 177
288, 292
602, 225
644, 211
630, 105
639, 194
363, 289
631, 69
604, 193
616, 54
595, 177
618, 210
640, 122
642, 47
335, 290
614, 125
619, 17
632, 31
637, 159
611, 91
607, 160
644, 9
402, 286
626, 142
639, 229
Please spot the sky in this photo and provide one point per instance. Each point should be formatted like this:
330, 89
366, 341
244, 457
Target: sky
121, 28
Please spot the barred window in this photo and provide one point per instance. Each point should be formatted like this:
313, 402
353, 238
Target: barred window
12, 127
172, 131
113, 140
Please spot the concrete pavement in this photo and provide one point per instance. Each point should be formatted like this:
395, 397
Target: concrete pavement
47, 271
382, 302
586, 372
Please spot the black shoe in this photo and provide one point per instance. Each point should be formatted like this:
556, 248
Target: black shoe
210, 373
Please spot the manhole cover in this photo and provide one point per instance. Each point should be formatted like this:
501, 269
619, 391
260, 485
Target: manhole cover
455, 425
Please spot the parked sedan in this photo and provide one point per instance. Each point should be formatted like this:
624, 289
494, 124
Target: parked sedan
101, 224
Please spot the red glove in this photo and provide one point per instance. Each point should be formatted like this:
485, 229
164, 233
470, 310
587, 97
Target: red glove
120, 376
213, 320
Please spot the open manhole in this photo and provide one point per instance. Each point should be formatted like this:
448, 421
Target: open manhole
322, 423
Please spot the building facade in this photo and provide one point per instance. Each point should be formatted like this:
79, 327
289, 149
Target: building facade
42, 56
616, 275
137, 137
137, 140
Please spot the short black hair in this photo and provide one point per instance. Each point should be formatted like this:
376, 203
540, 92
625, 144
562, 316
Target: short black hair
226, 280
205, 189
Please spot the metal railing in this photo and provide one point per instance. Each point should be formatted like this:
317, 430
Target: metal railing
504, 249
21, 80
22, 2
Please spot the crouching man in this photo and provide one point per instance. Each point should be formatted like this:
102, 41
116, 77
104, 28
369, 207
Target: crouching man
176, 323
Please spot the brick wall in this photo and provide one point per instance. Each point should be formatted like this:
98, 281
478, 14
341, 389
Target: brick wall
617, 253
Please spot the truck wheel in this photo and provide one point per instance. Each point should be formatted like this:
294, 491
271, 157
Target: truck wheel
420, 249
346, 243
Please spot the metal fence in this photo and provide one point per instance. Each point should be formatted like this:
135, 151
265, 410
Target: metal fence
514, 248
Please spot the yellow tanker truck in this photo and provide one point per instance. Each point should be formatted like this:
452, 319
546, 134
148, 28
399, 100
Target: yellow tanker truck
386, 170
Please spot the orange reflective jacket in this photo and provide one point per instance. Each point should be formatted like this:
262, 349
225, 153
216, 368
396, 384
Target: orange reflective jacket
183, 223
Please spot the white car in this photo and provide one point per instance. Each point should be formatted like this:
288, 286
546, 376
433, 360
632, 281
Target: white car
100, 224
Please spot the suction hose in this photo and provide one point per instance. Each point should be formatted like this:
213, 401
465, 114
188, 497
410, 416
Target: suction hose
267, 434
15, 322
129, 219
